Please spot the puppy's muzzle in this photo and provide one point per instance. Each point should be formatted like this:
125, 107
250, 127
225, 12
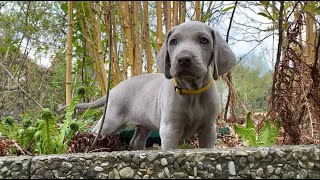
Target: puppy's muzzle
184, 59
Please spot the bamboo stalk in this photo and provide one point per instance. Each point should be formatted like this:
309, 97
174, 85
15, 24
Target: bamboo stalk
142, 37
69, 55
159, 26
108, 25
88, 42
94, 51
135, 33
129, 37
175, 13
198, 17
102, 68
114, 45
310, 37
147, 37
168, 21
182, 15
123, 40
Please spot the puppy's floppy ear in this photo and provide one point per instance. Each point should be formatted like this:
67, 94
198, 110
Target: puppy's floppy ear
163, 58
223, 57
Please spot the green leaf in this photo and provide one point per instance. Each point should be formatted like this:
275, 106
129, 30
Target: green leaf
265, 15
246, 134
267, 134
265, 3
185, 146
249, 121
227, 9
64, 7
207, 16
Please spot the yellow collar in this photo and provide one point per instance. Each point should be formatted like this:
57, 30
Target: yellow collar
186, 91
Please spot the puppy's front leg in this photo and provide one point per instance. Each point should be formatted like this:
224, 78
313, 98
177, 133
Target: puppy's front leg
207, 135
170, 137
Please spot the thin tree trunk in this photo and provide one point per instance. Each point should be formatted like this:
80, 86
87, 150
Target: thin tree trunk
129, 37
278, 58
69, 55
148, 42
229, 77
124, 40
198, 17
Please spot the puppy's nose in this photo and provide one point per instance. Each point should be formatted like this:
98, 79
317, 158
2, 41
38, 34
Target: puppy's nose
184, 58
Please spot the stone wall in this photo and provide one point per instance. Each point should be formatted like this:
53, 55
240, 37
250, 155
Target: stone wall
272, 162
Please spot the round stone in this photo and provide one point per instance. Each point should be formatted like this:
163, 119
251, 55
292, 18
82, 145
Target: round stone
167, 172
3, 169
242, 161
126, 172
218, 167
259, 172
98, 169
179, 175
150, 171
195, 171
264, 153
280, 154
176, 166
270, 169
136, 160
66, 165
152, 157
310, 165
304, 158
161, 175
251, 165
302, 174
297, 153
251, 158
145, 176
257, 154
291, 174
232, 169
277, 171
285, 176
116, 173
164, 162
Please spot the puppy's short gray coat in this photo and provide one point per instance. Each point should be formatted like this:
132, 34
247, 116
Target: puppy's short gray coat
150, 101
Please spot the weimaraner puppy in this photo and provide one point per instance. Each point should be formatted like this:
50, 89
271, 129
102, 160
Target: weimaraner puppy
180, 101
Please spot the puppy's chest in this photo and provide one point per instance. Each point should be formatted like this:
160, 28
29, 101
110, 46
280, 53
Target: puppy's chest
197, 112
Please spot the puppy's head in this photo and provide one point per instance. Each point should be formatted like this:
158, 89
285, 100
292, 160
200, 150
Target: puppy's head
191, 48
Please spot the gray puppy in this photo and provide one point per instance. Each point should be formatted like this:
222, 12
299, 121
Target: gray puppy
180, 101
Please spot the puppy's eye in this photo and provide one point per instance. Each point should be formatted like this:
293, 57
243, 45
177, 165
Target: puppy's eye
204, 40
173, 42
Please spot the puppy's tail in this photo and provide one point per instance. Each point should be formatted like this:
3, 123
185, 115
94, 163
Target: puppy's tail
98, 103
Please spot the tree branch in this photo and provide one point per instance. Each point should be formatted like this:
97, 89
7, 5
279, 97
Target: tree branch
229, 77
16, 80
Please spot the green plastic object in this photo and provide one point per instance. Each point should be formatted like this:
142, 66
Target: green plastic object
154, 137
224, 130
